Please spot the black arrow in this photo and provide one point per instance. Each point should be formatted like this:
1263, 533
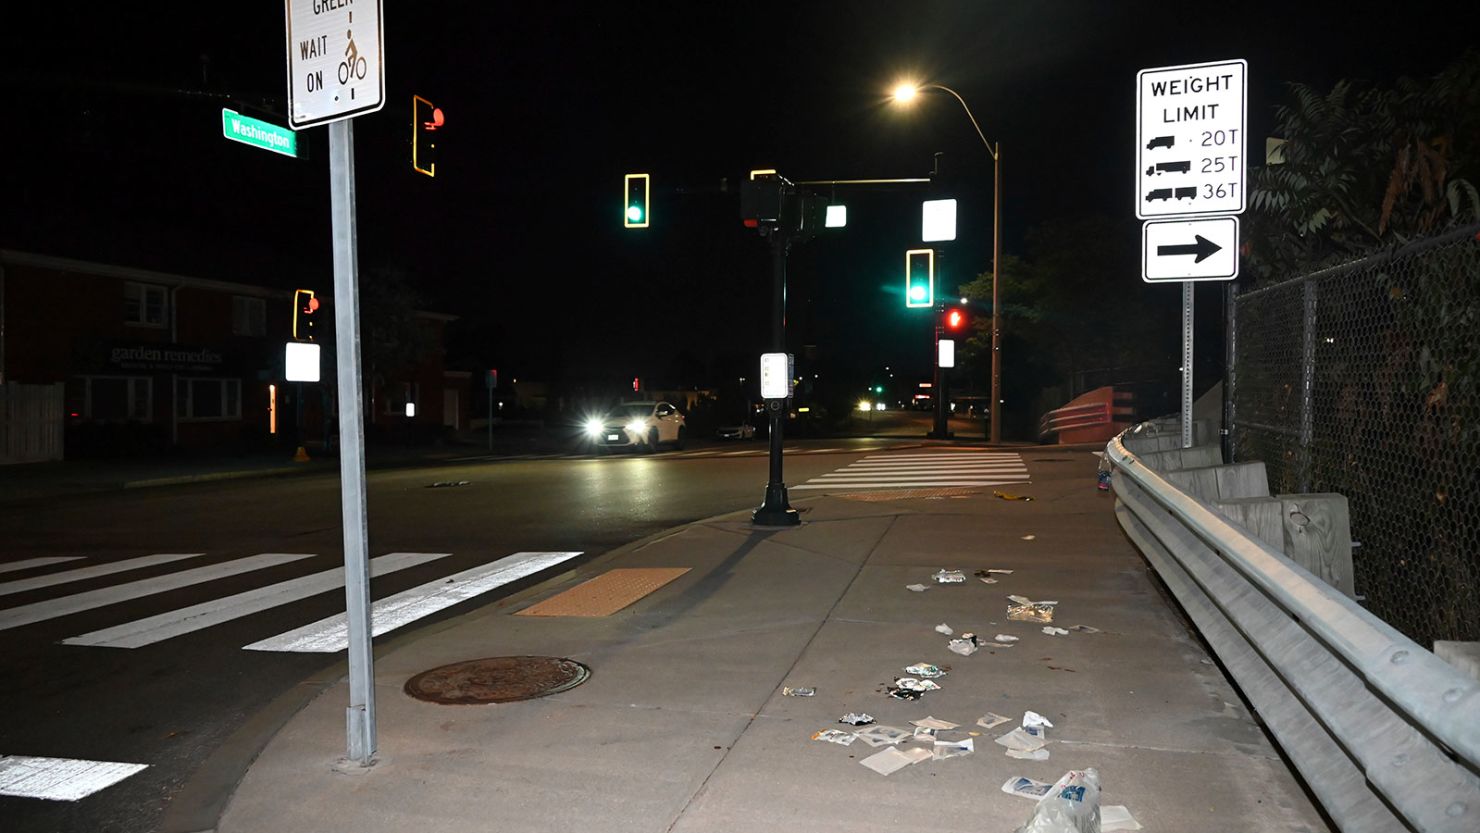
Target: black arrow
1203, 248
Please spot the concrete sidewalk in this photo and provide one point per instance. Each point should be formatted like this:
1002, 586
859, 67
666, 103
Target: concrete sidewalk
683, 727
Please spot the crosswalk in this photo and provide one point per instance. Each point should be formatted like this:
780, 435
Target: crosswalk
68, 779
925, 468
761, 450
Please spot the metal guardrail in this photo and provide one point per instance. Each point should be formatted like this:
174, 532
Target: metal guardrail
1074, 416
1386, 734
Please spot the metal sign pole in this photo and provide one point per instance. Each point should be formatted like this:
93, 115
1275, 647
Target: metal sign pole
360, 716
1187, 289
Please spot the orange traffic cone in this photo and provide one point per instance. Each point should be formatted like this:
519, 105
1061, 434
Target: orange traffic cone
301, 456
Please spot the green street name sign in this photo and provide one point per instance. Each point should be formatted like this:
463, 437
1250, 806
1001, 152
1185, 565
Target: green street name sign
258, 133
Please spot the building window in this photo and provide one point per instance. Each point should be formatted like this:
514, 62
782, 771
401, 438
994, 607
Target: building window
208, 399
111, 398
248, 316
144, 304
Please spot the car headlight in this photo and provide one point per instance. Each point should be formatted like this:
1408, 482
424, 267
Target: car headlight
636, 426
593, 427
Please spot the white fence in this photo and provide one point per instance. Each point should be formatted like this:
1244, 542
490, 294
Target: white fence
30, 422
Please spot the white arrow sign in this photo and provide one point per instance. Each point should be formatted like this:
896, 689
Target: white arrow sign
1190, 139
1189, 250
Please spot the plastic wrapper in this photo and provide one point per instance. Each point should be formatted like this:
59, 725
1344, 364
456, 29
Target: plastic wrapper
949, 577
856, 719
799, 691
944, 628
1053, 631
917, 588
945, 749
926, 670
1024, 609
934, 722
1025, 787
964, 647
837, 736
991, 720
1072, 805
882, 735
892, 759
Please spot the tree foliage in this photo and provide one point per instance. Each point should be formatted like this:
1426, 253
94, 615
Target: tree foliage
1366, 167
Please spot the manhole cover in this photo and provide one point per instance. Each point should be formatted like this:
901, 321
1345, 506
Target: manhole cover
497, 680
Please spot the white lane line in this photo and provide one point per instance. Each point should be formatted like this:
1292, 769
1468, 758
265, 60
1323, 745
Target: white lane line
738, 453
59, 779
206, 614
93, 572
942, 458
67, 605
36, 562
934, 466
921, 475
332, 633
907, 484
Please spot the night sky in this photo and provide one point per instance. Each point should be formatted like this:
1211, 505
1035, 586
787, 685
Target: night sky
113, 152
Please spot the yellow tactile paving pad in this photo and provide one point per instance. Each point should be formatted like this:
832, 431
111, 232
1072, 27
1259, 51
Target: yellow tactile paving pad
607, 593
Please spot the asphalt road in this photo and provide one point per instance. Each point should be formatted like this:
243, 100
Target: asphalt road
171, 704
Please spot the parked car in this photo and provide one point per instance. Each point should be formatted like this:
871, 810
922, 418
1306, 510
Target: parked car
741, 431
639, 426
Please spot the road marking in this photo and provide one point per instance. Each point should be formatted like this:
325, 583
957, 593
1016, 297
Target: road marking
60, 779
93, 572
332, 633
197, 617
78, 602
943, 468
36, 562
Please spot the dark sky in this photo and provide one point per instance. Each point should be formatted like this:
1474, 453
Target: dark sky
113, 151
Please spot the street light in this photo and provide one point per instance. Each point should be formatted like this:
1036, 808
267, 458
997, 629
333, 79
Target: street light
906, 92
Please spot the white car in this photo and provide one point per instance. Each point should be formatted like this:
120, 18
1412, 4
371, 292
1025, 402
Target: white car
743, 431
638, 426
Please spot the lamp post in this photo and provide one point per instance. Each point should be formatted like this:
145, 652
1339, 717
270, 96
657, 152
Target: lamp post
903, 94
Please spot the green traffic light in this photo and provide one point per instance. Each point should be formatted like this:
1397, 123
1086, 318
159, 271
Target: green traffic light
917, 293
634, 213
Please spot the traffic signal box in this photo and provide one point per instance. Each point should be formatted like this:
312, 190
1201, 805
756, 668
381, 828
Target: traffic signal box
305, 309
919, 278
426, 124
636, 208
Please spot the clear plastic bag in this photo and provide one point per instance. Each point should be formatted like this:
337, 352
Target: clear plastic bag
1071, 806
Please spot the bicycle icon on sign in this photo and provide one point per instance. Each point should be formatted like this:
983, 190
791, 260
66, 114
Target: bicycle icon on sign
353, 66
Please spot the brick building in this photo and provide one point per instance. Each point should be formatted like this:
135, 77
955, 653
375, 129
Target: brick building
153, 361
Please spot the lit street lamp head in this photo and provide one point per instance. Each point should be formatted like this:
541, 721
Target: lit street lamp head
905, 92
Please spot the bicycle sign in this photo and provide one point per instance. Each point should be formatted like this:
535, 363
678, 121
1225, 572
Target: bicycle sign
335, 60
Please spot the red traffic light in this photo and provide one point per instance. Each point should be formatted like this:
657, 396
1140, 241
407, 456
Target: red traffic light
955, 320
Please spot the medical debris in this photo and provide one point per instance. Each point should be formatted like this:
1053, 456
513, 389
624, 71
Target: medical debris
1024, 787
892, 760
949, 577
856, 719
1024, 609
926, 670
910, 688
835, 736
883, 735
991, 720
799, 691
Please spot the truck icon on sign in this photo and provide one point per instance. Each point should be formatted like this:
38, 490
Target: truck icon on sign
1190, 193
1161, 142
1169, 168
1159, 194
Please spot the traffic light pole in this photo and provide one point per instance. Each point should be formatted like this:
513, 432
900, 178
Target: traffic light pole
360, 716
776, 510
942, 426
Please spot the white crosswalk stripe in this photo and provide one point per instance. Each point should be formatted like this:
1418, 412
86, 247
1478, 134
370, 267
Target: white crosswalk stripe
67, 605
59, 779
925, 469
174, 623
94, 571
17, 566
332, 633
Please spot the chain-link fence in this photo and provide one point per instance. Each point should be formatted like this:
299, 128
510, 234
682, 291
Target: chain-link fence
1365, 380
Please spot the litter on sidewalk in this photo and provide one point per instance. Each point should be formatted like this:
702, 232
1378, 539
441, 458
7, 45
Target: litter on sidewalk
892, 760
1032, 719
1053, 631
1020, 740
1024, 787
925, 733
949, 577
1029, 537
1085, 629
964, 647
1010, 496
1115, 817
944, 628
926, 670
945, 749
935, 723
1072, 805
1024, 609
1039, 754
837, 736
856, 719
799, 691
883, 735
917, 588
909, 688
991, 720
1005, 637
